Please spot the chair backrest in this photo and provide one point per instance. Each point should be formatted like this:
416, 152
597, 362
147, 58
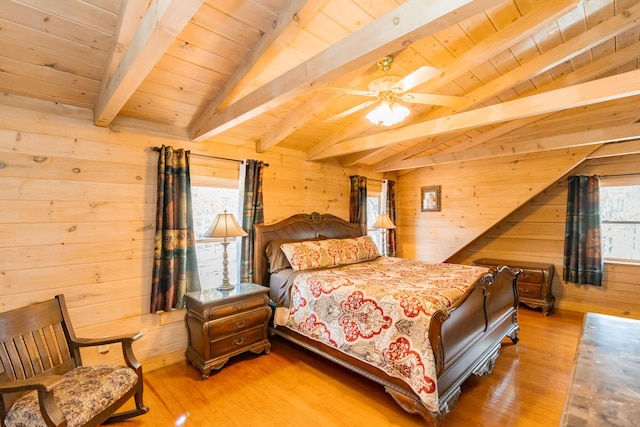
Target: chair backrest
34, 340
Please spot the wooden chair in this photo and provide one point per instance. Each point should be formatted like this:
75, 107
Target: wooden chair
43, 381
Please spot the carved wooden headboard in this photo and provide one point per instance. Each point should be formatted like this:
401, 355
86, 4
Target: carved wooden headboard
300, 226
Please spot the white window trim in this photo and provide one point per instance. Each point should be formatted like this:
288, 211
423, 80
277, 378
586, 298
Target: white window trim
622, 180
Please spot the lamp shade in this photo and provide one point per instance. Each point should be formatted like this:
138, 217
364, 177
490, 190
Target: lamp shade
388, 114
225, 226
384, 221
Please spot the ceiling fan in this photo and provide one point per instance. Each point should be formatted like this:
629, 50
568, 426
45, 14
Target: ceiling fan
387, 90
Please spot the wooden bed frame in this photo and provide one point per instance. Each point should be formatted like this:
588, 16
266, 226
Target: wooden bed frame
466, 338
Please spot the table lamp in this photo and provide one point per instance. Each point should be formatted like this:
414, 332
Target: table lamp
225, 226
384, 222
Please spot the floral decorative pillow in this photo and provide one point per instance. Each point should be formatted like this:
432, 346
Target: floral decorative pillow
329, 253
276, 258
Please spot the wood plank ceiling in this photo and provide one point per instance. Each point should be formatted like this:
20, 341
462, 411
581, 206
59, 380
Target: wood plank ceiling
535, 74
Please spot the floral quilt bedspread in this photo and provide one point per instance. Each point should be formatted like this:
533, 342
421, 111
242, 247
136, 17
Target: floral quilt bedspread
379, 312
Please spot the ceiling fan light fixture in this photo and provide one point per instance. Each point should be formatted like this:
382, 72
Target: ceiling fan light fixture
388, 114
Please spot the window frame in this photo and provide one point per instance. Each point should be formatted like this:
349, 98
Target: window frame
214, 173
375, 233
623, 180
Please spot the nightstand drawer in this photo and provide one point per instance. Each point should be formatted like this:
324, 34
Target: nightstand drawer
235, 342
534, 281
233, 324
237, 307
222, 324
531, 276
529, 290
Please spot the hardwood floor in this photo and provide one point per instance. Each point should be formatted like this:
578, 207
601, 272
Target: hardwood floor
293, 387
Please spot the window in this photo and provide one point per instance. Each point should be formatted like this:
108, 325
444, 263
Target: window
207, 203
620, 218
373, 210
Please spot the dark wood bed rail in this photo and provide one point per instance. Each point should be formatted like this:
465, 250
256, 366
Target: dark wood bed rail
466, 338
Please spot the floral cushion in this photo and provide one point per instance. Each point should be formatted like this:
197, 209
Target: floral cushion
329, 253
276, 258
84, 392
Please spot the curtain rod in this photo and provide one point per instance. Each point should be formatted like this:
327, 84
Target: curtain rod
620, 174
213, 157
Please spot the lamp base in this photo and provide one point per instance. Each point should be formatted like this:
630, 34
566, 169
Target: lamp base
226, 287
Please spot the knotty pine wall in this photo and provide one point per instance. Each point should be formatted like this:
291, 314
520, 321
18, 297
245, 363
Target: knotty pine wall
78, 215
534, 190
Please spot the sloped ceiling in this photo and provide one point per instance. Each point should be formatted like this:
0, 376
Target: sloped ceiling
534, 75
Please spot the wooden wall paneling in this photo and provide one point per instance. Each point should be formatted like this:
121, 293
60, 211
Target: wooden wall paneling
97, 303
40, 189
57, 277
64, 121
161, 345
40, 211
66, 233
59, 168
535, 232
87, 252
499, 187
89, 233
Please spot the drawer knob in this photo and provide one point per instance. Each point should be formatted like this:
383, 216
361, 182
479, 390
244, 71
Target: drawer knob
240, 324
238, 341
523, 290
239, 305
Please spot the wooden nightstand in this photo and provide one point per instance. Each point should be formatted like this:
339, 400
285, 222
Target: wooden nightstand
534, 283
224, 324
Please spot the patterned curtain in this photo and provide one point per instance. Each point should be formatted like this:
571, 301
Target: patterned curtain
252, 213
582, 245
358, 200
175, 266
389, 198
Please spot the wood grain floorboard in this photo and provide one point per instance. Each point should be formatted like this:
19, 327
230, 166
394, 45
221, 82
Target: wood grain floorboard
294, 387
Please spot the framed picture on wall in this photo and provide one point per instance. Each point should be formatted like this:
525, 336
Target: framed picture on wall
430, 198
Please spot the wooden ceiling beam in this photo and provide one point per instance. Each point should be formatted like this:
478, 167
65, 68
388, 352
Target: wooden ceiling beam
588, 72
513, 33
570, 49
160, 26
606, 89
534, 145
294, 16
410, 21
129, 18
616, 149
307, 112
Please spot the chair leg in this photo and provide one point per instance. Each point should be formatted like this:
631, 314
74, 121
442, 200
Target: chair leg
140, 409
114, 418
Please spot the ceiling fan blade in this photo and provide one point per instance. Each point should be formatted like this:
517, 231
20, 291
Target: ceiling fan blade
434, 99
416, 78
350, 111
350, 91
